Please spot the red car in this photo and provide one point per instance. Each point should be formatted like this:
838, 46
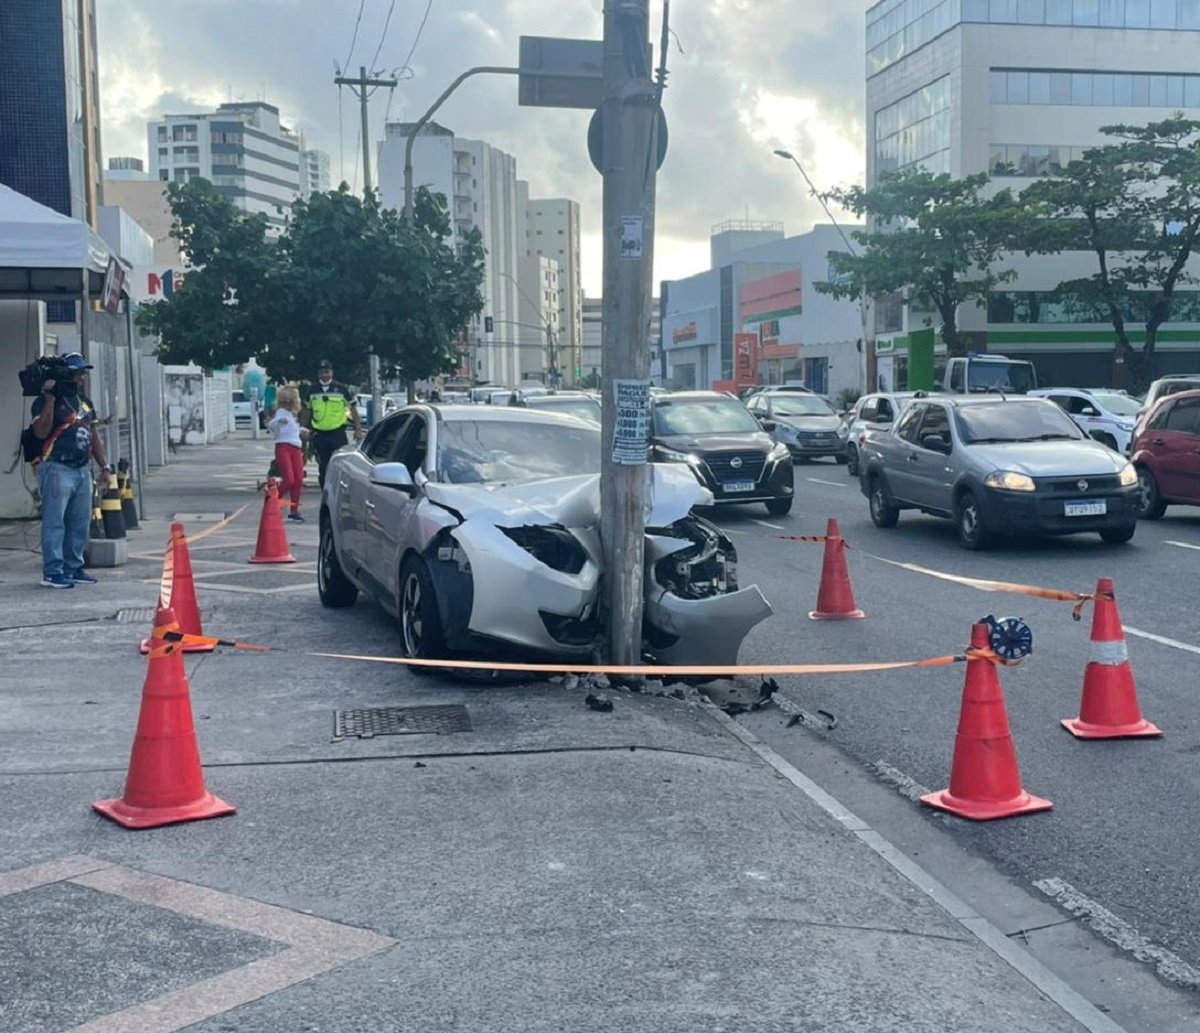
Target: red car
1166, 452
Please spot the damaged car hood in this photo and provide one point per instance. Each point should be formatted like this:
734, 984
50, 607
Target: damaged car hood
672, 491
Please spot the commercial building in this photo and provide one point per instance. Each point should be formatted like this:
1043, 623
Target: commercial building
128, 186
1018, 88
592, 336
49, 104
479, 182
241, 148
552, 225
315, 177
754, 317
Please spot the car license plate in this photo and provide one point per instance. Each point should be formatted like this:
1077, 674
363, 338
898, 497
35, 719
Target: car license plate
731, 487
1086, 508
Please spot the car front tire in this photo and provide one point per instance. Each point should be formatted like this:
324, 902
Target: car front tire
851, 461
780, 507
1150, 502
969, 518
335, 589
884, 512
420, 621
1118, 535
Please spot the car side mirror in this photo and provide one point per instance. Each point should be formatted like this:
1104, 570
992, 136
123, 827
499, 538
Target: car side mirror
1087, 410
393, 475
936, 443
767, 423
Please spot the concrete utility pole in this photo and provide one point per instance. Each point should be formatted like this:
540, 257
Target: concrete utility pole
629, 120
359, 86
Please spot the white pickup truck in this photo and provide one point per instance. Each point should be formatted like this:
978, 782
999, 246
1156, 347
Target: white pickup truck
979, 374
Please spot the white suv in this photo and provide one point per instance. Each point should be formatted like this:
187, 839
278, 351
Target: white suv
1106, 416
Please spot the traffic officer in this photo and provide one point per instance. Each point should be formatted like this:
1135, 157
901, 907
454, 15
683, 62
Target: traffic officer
329, 407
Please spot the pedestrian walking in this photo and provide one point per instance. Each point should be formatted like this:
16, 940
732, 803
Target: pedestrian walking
63, 420
289, 448
329, 407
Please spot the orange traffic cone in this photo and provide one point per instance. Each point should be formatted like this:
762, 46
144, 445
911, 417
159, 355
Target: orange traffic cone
272, 544
165, 784
1109, 708
984, 780
183, 594
835, 597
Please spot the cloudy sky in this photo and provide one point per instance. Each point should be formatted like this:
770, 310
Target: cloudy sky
753, 75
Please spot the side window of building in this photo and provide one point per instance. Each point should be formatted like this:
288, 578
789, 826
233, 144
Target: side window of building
910, 421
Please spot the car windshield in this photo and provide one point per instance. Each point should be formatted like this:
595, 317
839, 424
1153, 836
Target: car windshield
239, 396
1119, 405
694, 416
1015, 377
582, 408
800, 405
1014, 421
515, 451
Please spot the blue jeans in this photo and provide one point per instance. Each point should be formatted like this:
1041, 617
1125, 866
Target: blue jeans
66, 516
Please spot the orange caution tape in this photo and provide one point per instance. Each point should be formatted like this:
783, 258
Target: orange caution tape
168, 573
172, 639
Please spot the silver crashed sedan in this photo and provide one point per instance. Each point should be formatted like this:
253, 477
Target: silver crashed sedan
478, 529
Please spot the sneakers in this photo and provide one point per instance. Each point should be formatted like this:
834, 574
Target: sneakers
57, 581
296, 517
82, 577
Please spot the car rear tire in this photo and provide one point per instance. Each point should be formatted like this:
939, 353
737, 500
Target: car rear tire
1150, 504
851, 461
780, 507
418, 615
884, 512
969, 518
335, 589
1118, 535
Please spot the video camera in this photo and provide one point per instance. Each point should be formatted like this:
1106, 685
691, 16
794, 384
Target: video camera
49, 367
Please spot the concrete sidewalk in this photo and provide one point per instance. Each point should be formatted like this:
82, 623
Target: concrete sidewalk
549, 868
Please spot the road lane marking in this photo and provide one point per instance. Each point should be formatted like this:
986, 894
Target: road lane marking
1119, 932
991, 936
832, 484
1183, 545
773, 527
1162, 640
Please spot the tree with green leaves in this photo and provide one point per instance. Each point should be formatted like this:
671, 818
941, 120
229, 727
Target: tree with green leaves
1135, 204
933, 239
212, 318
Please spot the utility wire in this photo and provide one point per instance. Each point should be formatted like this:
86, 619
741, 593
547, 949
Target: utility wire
420, 28
383, 36
354, 38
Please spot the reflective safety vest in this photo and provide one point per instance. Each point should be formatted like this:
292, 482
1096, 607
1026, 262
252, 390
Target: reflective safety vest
329, 411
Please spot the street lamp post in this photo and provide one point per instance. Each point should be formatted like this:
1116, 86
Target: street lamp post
867, 343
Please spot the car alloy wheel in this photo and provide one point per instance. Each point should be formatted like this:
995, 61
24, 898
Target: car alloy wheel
334, 588
1150, 504
411, 625
419, 619
883, 511
970, 524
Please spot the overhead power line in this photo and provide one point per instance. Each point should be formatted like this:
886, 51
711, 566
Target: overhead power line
354, 38
420, 29
383, 35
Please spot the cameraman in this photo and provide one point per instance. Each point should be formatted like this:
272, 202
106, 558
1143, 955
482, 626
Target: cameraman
62, 420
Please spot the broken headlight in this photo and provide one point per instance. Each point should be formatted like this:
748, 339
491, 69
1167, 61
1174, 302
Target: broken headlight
705, 568
556, 547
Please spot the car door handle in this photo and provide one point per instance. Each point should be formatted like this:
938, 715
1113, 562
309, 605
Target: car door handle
1157, 441
343, 483
913, 458
369, 504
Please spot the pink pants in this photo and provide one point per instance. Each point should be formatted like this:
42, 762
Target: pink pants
290, 460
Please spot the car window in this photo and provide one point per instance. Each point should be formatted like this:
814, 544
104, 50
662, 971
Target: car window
1184, 417
1067, 403
907, 428
1015, 420
756, 404
936, 422
413, 444
380, 444
487, 451
801, 405
956, 378
869, 408
702, 416
884, 410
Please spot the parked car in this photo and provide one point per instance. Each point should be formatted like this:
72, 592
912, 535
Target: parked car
570, 403
805, 423
724, 446
243, 408
1171, 384
996, 466
1166, 454
1106, 416
873, 412
478, 529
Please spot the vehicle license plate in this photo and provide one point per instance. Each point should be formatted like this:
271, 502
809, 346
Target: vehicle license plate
735, 486
1086, 508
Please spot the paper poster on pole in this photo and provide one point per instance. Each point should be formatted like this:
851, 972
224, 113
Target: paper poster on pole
631, 237
632, 432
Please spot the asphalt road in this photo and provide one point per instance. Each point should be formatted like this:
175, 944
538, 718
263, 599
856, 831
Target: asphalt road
1125, 823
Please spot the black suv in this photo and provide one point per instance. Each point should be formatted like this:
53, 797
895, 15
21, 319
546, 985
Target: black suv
727, 450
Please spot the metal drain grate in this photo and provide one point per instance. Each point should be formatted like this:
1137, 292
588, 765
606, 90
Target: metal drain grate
366, 724
139, 616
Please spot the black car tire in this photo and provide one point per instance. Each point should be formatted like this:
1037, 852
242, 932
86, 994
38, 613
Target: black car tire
841, 459
418, 616
1118, 535
969, 519
1150, 504
1107, 440
884, 512
780, 507
851, 461
335, 589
